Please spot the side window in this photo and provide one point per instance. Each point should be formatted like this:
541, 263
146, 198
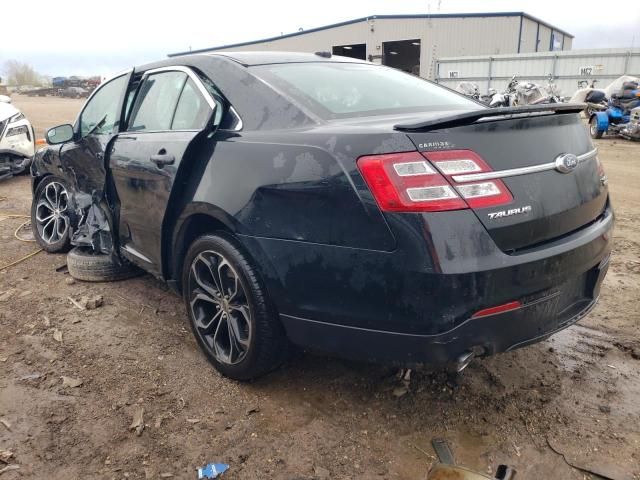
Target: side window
156, 102
101, 114
193, 111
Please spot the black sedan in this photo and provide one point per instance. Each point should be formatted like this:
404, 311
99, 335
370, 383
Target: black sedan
345, 207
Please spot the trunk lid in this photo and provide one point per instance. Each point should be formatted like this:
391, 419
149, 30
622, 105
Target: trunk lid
547, 203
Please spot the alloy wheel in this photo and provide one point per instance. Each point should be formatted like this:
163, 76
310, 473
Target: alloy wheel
51, 217
219, 307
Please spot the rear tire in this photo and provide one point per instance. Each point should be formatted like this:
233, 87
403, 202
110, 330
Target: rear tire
89, 266
593, 128
230, 312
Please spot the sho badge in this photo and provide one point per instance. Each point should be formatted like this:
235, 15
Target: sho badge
566, 162
510, 212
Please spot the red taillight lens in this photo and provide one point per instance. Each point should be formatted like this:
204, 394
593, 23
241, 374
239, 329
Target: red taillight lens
405, 182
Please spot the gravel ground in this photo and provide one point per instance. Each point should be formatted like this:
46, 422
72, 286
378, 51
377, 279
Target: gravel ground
570, 399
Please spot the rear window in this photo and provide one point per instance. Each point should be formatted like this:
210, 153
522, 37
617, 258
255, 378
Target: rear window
335, 90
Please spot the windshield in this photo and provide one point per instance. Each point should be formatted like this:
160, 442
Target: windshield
336, 90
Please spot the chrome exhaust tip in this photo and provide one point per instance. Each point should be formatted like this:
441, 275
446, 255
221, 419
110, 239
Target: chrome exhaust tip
463, 361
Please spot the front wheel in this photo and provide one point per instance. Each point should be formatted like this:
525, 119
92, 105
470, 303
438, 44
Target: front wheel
231, 315
593, 128
50, 215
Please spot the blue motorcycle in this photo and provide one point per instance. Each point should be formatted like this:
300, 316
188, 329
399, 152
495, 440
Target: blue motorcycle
616, 115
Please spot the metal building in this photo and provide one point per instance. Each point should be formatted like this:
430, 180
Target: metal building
413, 42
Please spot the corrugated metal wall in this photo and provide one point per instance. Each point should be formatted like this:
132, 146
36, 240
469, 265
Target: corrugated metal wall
567, 67
439, 37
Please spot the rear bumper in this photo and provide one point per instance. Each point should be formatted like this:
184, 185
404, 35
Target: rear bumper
533, 322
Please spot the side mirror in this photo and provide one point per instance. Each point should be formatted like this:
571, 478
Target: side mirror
59, 134
5, 99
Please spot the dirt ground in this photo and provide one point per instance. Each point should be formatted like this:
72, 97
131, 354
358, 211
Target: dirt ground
570, 399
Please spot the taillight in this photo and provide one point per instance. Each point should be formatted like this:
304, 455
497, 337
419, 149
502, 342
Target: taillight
480, 194
406, 182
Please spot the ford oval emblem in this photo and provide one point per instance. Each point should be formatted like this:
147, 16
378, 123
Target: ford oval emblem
566, 162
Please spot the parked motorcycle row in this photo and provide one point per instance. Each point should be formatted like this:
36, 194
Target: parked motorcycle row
516, 93
614, 110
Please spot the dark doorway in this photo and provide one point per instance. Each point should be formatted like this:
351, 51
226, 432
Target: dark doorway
403, 55
358, 50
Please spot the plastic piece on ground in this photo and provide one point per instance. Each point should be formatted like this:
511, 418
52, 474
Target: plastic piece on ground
212, 470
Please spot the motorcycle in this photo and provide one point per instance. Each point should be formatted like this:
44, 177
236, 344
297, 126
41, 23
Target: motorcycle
506, 98
620, 115
17, 140
528, 93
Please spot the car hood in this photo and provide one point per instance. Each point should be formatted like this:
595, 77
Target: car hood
7, 110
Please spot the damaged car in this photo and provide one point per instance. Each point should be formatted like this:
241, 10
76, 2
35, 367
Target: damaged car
330, 203
17, 140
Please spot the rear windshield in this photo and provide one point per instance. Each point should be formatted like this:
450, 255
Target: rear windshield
337, 90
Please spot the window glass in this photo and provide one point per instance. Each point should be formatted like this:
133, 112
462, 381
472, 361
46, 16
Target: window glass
131, 95
156, 101
352, 89
101, 113
193, 111
217, 97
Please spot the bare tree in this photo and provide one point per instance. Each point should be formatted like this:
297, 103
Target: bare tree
19, 73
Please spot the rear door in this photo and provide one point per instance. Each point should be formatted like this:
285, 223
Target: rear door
170, 109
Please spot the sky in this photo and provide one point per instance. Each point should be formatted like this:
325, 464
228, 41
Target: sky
77, 37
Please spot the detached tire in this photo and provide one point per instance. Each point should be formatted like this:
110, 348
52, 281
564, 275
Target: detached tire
89, 266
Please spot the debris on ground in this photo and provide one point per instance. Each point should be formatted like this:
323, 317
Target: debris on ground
57, 335
5, 456
9, 468
321, 473
5, 296
71, 382
87, 303
137, 423
212, 470
6, 424
253, 409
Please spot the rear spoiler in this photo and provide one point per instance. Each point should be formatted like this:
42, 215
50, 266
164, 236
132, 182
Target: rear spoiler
467, 118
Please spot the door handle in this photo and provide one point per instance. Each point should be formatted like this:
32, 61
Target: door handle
162, 159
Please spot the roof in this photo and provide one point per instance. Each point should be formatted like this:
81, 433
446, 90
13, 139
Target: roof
265, 58
379, 17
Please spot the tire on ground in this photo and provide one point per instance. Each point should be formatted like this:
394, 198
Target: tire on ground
269, 346
89, 266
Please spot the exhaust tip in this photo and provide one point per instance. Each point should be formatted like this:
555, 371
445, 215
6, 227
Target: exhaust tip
463, 361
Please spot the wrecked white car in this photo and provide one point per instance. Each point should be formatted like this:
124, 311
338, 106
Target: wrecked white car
17, 140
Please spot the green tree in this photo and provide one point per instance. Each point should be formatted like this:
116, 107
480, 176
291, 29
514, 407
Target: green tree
19, 73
